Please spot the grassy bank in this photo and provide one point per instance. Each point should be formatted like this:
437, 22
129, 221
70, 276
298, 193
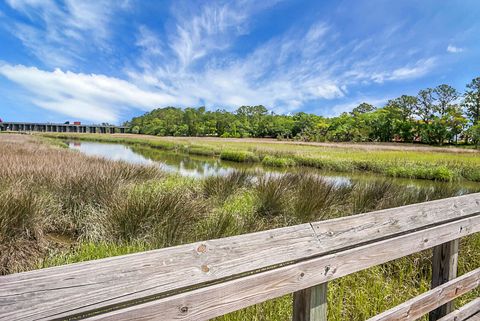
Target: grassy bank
58, 206
420, 163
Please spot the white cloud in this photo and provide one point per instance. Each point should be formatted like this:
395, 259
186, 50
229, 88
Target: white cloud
279, 73
453, 49
420, 68
283, 73
85, 96
193, 65
58, 33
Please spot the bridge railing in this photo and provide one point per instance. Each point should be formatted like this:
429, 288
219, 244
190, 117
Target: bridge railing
203, 280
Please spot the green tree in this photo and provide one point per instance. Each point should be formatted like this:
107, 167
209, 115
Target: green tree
471, 101
425, 108
473, 134
362, 109
445, 96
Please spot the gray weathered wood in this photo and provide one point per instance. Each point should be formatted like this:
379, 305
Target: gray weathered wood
475, 317
464, 312
378, 224
102, 284
310, 304
215, 300
428, 301
82, 287
444, 269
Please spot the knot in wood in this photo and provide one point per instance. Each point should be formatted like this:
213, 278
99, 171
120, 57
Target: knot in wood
205, 268
184, 309
202, 248
327, 268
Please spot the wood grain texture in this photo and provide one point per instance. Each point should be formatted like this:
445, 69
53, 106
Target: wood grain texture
310, 304
379, 224
162, 274
475, 317
78, 288
222, 298
464, 312
444, 269
430, 300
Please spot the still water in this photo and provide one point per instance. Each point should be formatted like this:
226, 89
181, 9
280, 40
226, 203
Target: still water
202, 166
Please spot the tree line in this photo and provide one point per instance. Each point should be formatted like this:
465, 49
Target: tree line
436, 116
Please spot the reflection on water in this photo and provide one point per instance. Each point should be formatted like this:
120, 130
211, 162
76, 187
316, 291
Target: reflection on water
115, 152
203, 166
168, 161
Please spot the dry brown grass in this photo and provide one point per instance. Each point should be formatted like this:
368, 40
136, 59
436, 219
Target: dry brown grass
47, 189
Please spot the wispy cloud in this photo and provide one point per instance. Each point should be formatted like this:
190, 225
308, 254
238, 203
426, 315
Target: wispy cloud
284, 73
453, 49
58, 33
195, 62
411, 71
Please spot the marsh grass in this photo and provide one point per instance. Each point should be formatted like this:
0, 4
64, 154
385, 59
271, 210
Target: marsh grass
239, 156
110, 208
222, 187
47, 189
278, 161
154, 214
316, 199
421, 163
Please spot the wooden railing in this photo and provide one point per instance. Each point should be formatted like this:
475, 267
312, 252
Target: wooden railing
203, 280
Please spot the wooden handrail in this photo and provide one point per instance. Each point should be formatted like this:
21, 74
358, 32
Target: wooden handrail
206, 279
465, 312
426, 302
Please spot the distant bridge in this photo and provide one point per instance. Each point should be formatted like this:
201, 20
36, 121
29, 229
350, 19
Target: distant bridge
60, 128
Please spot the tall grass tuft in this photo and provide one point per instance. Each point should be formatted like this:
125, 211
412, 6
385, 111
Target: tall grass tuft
317, 199
274, 196
22, 219
223, 186
153, 214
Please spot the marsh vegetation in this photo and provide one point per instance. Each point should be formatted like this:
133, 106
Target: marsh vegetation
58, 206
441, 164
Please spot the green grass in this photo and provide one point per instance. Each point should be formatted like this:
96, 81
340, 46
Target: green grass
239, 156
278, 161
105, 208
429, 163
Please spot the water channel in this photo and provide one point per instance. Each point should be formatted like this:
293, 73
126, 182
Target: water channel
203, 166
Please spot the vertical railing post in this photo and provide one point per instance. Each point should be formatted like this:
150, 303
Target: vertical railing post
444, 269
310, 304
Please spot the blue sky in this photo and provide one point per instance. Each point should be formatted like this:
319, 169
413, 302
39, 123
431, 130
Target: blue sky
106, 61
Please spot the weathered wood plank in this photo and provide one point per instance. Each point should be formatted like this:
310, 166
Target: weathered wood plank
376, 225
444, 269
310, 304
475, 317
464, 312
430, 300
83, 287
77, 288
222, 298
